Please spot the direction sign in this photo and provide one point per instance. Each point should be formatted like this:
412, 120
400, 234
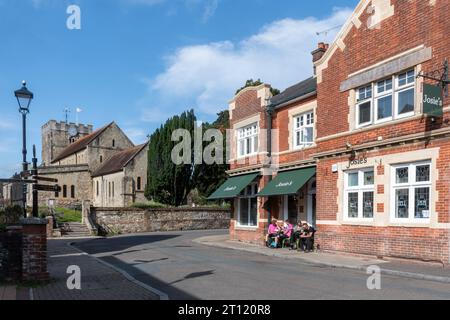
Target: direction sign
38, 178
41, 187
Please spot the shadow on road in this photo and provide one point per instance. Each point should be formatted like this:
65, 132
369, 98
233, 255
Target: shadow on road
126, 244
195, 275
106, 245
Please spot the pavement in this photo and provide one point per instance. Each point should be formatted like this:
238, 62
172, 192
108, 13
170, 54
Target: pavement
99, 281
203, 265
409, 269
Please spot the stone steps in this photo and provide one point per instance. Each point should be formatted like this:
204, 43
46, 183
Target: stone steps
75, 230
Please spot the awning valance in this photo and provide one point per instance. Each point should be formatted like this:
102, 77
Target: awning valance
288, 182
233, 186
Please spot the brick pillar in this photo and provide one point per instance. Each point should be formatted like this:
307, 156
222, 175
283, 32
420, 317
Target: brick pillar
34, 250
13, 244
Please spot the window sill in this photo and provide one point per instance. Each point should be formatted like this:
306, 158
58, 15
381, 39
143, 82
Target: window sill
246, 228
302, 148
359, 222
426, 223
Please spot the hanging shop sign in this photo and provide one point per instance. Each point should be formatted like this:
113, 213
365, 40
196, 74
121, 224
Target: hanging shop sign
433, 101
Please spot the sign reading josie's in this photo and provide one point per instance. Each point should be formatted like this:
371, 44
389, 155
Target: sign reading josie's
432, 100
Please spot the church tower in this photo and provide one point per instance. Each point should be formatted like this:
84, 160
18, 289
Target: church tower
56, 136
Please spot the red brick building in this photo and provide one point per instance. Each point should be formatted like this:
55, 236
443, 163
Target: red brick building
352, 150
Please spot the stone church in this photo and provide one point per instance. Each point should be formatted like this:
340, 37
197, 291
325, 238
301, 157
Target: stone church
102, 166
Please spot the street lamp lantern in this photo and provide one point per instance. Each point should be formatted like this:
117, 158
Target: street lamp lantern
24, 97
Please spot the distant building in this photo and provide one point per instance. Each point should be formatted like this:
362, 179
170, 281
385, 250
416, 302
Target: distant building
120, 181
12, 193
71, 153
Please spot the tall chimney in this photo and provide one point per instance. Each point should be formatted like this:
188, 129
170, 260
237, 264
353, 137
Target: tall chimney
319, 52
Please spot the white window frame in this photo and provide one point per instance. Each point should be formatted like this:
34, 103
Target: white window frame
248, 197
411, 186
380, 95
364, 101
360, 189
376, 96
298, 127
248, 133
399, 89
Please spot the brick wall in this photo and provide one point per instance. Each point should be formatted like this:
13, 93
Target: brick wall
411, 243
34, 250
23, 252
414, 23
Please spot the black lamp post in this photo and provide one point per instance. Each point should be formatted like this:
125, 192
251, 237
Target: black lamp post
24, 97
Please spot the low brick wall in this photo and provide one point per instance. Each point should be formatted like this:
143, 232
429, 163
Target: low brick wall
130, 220
23, 252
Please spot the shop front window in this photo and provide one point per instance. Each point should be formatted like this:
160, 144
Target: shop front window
359, 194
248, 207
412, 190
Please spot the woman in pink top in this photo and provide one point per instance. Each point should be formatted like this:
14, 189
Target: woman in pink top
287, 232
273, 231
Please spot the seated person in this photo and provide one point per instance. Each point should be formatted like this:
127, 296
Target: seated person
272, 232
287, 230
306, 238
298, 231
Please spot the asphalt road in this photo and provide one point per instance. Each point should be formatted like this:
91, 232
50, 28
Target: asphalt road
172, 263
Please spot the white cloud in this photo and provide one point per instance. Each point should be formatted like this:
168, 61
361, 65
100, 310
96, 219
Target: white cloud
209, 74
137, 135
210, 9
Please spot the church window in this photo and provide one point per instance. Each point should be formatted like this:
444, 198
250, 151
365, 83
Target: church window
72, 192
64, 191
139, 183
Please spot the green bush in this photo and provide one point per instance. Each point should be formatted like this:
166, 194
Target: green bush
149, 205
11, 215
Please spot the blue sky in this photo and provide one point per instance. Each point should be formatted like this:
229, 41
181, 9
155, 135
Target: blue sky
138, 62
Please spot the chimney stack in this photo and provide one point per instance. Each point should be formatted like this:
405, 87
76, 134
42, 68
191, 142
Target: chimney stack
319, 52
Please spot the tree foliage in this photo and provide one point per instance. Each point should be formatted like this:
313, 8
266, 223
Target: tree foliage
169, 183
210, 177
253, 83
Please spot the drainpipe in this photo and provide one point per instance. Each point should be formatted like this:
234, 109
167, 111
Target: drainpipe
269, 110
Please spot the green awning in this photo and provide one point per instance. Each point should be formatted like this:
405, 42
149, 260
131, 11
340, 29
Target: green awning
288, 182
233, 187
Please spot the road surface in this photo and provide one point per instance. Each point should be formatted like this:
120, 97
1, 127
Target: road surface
172, 263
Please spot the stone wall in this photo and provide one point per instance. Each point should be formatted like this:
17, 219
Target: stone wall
130, 220
77, 176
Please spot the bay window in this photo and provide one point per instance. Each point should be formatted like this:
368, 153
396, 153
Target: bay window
247, 140
411, 191
387, 99
304, 130
359, 194
248, 207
